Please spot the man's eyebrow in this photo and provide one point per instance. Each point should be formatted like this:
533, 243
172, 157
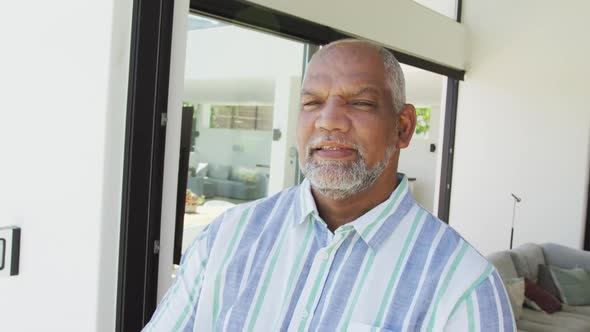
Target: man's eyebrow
353, 93
308, 93
364, 90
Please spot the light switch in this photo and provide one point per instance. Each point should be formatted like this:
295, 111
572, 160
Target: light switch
2, 246
9, 251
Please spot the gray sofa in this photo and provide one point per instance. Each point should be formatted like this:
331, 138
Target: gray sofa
523, 262
226, 181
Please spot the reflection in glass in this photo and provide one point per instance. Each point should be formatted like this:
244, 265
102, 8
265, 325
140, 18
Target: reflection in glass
239, 83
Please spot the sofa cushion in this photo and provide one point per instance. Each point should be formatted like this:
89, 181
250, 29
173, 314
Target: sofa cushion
244, 174
559, 321
577, 309
545, 281
503, 264
526, 259
565, 257
573, 285
219, 172
542, 298
515, 289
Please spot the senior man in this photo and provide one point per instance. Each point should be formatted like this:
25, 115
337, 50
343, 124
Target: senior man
349, 249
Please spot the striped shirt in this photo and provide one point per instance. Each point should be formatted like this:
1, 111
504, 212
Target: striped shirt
273, 265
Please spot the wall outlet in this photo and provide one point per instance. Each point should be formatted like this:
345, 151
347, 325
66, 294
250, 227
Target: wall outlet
9, 251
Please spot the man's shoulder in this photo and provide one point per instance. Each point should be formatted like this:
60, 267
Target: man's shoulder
283, 198
466, 261
256, 212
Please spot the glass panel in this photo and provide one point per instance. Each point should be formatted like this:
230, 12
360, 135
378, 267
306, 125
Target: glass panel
237, 82
447, 8
421, 160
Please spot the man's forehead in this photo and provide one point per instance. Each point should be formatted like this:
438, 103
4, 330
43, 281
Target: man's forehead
348, 77
354, 61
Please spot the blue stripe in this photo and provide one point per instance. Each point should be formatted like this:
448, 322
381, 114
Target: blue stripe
505, 304
297, 205
259, 230
488, 313
318, 243
214, 228
391, 223
447, 245
345, 282
403, 296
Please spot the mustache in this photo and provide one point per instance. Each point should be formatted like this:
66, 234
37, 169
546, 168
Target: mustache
316, 140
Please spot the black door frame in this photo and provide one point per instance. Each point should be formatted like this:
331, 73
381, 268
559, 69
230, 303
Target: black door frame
146, 127
587, 231
151, 38
446, 174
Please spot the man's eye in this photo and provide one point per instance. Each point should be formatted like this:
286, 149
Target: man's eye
311, 104
365, 104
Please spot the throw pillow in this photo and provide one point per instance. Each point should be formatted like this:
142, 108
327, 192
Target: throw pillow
573, 285
541, 297
202, 169
531, 304
220, 172
545, 281
515, 290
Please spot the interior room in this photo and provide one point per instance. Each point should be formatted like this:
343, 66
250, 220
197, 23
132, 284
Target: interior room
90, 176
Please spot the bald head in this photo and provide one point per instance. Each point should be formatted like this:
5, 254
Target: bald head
393, 72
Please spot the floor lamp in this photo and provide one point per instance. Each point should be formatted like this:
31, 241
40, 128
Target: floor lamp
516, 200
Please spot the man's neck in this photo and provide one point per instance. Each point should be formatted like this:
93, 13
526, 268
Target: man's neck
339, 212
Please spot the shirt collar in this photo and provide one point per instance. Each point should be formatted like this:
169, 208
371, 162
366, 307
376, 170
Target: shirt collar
376, 225
304, 203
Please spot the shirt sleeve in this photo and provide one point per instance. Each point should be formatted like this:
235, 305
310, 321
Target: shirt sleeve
176, 311
485, 308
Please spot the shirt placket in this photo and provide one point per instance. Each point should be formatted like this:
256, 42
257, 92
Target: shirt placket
316, 281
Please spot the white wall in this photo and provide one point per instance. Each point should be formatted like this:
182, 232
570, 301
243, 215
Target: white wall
64, 68
403, 25
523, 123
418, 162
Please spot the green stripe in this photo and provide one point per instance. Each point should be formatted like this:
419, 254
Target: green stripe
357, 291
166, 305
445, 283
470, 290
234, 240
398, 266
313, 294
191, 294
266, 282
387, 209
320, 277
297, 265
470, 317
174, 289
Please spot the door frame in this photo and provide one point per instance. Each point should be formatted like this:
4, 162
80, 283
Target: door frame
151, 34
146, 128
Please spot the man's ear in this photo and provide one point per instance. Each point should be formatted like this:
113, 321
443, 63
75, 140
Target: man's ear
406, 125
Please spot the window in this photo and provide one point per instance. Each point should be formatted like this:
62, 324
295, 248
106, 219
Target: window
422, 121
241, 117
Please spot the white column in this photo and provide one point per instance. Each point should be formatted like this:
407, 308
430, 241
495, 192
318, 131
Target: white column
286, 108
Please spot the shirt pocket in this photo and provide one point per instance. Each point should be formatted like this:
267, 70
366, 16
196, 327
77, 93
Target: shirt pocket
362, 327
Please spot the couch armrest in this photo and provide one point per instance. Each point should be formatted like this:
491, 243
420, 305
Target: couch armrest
565, 257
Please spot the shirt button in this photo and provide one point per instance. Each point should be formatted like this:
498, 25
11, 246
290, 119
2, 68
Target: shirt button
322, 255
304, 314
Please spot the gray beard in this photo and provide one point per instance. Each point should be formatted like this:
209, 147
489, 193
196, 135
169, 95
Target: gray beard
339, 180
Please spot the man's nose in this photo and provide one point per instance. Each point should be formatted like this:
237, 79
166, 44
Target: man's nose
333, 116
